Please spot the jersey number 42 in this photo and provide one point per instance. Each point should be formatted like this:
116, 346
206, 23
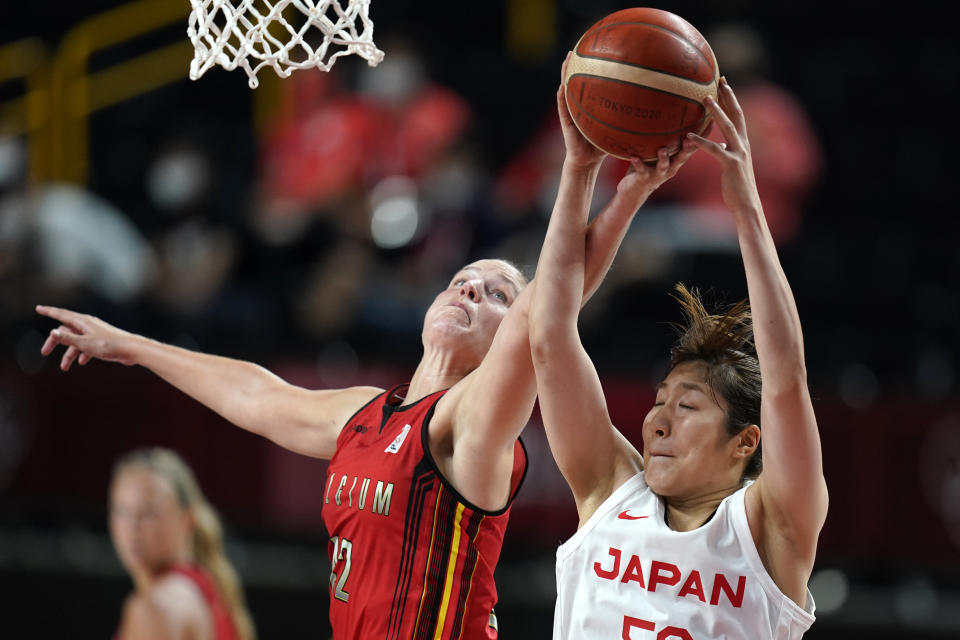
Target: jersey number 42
340, 552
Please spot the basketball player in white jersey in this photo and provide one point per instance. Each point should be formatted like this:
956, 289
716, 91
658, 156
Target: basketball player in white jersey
688, 539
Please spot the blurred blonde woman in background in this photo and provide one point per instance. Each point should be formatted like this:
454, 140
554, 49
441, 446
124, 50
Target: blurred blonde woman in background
170, 541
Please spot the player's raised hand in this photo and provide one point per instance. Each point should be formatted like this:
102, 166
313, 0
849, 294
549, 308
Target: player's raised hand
642, 178
738, 184
85, 338
580, 151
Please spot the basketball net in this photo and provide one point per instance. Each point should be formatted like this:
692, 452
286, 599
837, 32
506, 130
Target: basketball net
252, 34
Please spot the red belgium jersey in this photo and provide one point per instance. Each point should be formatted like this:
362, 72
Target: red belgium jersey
220, 619
223, 628
411, 558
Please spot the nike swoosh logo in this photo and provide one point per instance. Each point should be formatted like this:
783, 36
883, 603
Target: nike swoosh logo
626, 516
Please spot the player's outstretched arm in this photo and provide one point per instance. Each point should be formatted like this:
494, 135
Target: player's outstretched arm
592, 455
484, 432
246, 394
790, 501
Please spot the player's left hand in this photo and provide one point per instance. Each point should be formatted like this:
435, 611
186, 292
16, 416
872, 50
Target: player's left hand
642, 179
738, 184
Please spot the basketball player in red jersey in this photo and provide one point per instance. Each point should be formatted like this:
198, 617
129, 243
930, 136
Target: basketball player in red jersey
170, 541
422, 475
689, 539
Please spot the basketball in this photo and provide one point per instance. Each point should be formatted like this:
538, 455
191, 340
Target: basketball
637, 80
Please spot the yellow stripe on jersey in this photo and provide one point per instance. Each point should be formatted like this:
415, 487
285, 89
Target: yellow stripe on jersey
451, 569
493, 618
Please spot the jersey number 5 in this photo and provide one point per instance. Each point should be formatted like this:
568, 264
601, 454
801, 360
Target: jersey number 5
665, 634
340, 551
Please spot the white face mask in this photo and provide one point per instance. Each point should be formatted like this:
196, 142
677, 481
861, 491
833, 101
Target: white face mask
393, 80
177, 178
13, 161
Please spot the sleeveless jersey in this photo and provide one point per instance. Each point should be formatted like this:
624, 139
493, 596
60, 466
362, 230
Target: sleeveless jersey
411, 558
220, 620
626, 574
223, 627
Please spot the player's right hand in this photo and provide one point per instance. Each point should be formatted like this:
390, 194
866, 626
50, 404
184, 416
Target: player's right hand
85, 338
580, 151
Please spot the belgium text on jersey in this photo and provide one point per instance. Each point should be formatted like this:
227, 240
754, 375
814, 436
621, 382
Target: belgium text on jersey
382, 495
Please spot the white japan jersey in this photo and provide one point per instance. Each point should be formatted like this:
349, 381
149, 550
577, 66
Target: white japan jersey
626, 575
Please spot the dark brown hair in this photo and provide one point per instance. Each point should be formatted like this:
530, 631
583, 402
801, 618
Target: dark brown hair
724, 344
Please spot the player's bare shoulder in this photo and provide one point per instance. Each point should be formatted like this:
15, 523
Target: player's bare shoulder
343, 404
172, 609
333, 408
352, 399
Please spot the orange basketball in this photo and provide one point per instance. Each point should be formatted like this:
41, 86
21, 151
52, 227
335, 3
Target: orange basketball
637, 80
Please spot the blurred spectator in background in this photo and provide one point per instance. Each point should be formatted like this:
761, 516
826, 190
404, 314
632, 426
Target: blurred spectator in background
199, 243
15, 244
195, 253
687, 217
170, 541
64, 242
309, 213
311, 154
84, 241
351, 175
786, 151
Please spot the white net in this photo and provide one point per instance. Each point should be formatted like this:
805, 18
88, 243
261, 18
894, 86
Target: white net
252, 34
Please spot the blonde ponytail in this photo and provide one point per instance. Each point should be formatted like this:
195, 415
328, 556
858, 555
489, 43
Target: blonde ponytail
208, 552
